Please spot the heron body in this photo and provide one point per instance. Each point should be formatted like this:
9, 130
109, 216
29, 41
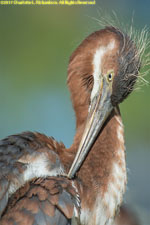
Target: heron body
33, 189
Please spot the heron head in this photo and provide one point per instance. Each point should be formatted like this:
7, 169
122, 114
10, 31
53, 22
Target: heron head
102, 73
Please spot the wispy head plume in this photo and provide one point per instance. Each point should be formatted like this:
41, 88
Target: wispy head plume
141, 38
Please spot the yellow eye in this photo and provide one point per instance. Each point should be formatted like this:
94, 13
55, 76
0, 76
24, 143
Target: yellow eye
110, 76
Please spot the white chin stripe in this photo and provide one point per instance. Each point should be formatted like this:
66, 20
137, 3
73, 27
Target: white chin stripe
97, 60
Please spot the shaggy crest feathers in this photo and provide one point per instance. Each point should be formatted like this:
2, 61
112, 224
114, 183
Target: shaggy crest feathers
141, 38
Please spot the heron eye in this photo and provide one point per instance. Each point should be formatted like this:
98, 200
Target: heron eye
110, 76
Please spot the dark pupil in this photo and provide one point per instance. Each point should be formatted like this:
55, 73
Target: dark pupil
109, 76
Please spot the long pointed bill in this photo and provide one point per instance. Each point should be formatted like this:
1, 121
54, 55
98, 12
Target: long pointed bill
99, 111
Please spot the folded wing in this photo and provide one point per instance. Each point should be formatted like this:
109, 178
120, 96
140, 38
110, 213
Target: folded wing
28, 193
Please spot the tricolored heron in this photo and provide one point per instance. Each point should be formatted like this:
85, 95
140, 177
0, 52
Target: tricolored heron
34, 187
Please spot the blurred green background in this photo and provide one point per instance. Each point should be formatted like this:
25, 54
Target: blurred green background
35, 45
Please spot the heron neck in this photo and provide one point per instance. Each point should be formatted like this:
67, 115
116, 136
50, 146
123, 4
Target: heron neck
96, 171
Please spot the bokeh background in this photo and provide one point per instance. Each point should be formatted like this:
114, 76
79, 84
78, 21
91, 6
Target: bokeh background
35, 45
